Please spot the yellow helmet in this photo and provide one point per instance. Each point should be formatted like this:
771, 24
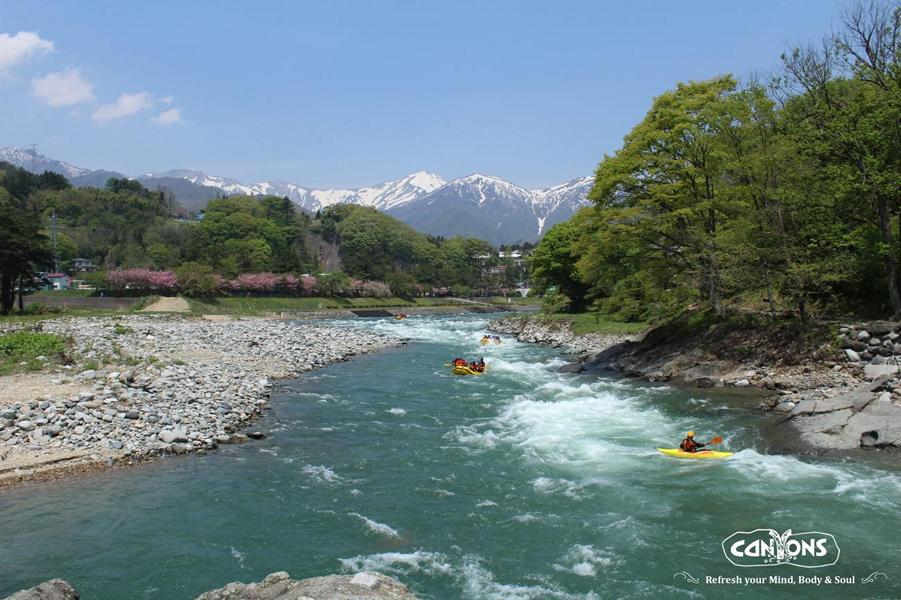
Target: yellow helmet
690, 434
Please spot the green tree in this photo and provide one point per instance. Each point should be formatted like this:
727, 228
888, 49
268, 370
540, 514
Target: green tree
23, 247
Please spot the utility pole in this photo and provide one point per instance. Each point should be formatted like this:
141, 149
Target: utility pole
53, 241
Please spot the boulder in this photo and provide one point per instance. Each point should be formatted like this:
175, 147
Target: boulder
280, 586
863, 335
851, 355
55, 589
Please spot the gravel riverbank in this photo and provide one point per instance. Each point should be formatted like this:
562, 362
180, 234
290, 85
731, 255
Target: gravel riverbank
148, 386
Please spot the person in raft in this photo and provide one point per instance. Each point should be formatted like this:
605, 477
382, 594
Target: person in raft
689, 444
459, 362
478, 366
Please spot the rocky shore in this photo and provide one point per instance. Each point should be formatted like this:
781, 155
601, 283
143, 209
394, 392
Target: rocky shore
558, 334
829, 393
140, 387
276, 586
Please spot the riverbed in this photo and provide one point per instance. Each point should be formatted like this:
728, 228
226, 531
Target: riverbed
522, 483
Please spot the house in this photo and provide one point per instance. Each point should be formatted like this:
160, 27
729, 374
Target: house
57, 281
82, 265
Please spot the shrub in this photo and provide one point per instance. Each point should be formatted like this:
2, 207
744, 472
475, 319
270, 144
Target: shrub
197, 280
142, 280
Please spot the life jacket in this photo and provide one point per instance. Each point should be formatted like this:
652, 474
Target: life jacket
689, 445
458, 362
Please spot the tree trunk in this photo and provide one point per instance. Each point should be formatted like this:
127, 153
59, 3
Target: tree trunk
21, 301
891, 262
7, 293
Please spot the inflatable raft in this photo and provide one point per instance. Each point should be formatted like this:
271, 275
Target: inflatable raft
466, 370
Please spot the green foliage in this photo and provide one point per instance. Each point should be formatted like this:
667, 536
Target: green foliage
197, 280
333, 284
553, 264
120, 329
23, 247
724, 192
24, 345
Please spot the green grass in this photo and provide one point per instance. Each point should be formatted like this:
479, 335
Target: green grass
595, 322
266, 305
25, 346
65, 293
517, 300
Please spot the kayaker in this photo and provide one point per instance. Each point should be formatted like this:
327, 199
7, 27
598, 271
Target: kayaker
689, 444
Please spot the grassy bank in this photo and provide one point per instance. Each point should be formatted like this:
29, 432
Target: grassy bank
595, 322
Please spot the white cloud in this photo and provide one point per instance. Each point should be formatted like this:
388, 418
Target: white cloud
20, 47
168, 117
62, 88
168, 100
124, 106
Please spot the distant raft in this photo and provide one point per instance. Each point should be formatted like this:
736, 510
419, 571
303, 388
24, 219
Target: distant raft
466, 370
699, 455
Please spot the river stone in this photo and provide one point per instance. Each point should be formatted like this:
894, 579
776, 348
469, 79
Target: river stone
55, 589
862, 335
872, 371
170, 436
851, 355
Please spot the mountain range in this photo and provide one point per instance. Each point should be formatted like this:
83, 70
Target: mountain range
477, 205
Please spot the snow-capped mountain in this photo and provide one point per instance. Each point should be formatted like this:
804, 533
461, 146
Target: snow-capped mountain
555, 204
478, 205
30, 160
492, 209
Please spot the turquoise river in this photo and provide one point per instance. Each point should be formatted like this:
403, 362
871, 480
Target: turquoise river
524, 483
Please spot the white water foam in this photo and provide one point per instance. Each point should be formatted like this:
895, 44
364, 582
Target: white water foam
322, 474
376, 527
479, 584
238, 556
397, 563
397, 412
584, 561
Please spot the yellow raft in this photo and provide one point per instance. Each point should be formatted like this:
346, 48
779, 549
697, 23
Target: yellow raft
465, 370
700, 454
483, 341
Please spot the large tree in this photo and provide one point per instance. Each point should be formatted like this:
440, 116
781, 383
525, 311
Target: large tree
23, 247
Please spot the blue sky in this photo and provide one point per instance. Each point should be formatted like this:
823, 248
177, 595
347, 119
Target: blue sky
350, 93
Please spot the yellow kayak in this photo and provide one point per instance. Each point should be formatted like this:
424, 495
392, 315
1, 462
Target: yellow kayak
462, 370
700, 454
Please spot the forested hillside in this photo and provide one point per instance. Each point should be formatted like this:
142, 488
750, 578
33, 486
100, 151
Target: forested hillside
778, 194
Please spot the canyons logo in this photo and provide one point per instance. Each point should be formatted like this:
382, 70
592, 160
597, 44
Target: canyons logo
768, 548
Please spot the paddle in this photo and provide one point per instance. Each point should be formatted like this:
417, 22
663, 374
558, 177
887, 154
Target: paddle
716, 440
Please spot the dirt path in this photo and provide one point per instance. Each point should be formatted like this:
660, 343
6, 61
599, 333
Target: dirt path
31, 386
172, 305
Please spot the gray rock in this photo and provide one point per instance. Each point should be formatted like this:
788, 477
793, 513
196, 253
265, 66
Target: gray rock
55, 589
862, 335
279, 586
851, 355
872, 371
170, 436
